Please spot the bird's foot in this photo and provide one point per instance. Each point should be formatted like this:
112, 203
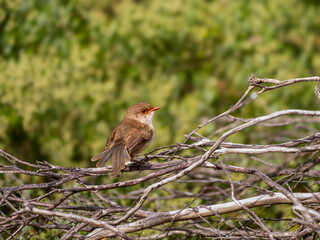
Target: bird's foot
139, 159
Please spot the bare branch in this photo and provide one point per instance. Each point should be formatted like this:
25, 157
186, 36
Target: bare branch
208, 185
205, 211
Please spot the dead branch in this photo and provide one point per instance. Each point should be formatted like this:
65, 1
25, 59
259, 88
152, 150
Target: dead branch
231, 185
155, 219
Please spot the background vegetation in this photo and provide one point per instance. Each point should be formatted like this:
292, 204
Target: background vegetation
69, 69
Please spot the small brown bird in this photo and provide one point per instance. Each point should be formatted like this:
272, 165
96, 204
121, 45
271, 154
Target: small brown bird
129, 138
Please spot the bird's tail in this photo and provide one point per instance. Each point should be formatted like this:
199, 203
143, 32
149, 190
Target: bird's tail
118, 155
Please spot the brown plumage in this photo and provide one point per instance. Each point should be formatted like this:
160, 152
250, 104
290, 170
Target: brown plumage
129, 138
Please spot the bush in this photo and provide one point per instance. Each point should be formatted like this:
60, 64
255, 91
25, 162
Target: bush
69, 69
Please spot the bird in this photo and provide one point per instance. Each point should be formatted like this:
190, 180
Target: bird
129, 138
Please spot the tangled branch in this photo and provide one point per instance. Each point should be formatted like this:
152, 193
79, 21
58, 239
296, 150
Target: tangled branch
226, 199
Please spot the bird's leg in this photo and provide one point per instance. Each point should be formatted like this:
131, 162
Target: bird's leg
138, 159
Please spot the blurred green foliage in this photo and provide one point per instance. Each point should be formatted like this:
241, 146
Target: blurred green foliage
69, 69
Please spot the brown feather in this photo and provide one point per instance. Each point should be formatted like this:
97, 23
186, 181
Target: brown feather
118, 159
129, 138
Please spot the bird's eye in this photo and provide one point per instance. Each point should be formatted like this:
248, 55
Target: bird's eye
143, 111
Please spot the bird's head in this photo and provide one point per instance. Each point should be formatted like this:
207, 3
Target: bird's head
142, 112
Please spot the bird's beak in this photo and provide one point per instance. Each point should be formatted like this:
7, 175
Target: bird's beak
154, 109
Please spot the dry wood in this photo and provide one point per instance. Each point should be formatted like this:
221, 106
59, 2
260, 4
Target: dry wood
284, 171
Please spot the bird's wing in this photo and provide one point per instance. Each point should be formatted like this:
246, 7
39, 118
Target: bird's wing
137, 140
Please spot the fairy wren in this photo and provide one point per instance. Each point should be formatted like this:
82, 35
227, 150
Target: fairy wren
129, 138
